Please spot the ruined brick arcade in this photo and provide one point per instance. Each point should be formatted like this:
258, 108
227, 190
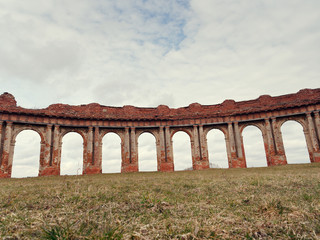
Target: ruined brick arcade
94, 121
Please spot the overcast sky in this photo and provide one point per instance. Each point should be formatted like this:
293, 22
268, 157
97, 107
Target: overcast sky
146, 53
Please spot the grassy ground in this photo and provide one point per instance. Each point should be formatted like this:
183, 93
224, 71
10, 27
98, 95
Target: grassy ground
262, 203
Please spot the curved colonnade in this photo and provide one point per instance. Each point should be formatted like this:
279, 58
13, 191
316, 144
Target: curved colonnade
94, 121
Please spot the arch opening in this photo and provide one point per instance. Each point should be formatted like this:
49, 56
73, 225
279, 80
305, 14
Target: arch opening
254, 147
218, 157
71, 154
147, 153
182, 151
26, 158
111, 153
294, 143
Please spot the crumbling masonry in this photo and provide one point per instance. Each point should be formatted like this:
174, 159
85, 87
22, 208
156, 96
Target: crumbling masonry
93, 121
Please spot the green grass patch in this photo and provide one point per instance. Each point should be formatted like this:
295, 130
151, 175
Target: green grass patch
262, 203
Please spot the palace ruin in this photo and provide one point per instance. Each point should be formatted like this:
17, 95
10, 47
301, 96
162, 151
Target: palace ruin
94, 121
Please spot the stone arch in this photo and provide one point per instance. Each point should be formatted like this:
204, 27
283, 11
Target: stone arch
109, 165
82, 133
299, 119
223, 129
29, 168
151, 166
104, 132
65, 131
222, 160
259, 158
289, 142
187, 130
18, 129
259, 125
189, 164
153, 132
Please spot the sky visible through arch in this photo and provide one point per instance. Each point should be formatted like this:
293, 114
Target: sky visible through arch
147, 53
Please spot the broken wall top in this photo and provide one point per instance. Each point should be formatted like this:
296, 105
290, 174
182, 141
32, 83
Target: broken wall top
96, 111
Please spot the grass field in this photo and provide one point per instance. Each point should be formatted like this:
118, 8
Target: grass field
261, 203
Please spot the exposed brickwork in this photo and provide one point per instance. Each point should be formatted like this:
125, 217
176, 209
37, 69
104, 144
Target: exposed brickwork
93, 121
228, 108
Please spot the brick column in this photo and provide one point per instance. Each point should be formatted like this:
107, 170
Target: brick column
129, 151
204, 148
195, 149
88, 152
169, 150
317, 123
235, 148
92, 151
125, 151
274, 157
280, 157
241, 158
7, 154
1, 145
230, 144
268, 140
199, 149
315, 154
97, 149
133, 150
161, 150
45, 153
56, 151
312, 132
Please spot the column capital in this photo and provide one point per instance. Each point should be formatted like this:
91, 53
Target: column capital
9, 123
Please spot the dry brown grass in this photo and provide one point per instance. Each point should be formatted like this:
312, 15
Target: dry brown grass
262, 203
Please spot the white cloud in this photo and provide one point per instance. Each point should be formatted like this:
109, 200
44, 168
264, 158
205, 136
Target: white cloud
147, 53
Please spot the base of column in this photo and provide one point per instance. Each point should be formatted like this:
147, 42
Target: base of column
278, 160
5, 175
239, 163
129, 168
92, 170
166, 167
316, 157
49, 171
200, 165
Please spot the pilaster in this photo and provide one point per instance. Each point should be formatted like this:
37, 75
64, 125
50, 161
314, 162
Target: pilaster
130, 154
45, 153
56, 151
7, 154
